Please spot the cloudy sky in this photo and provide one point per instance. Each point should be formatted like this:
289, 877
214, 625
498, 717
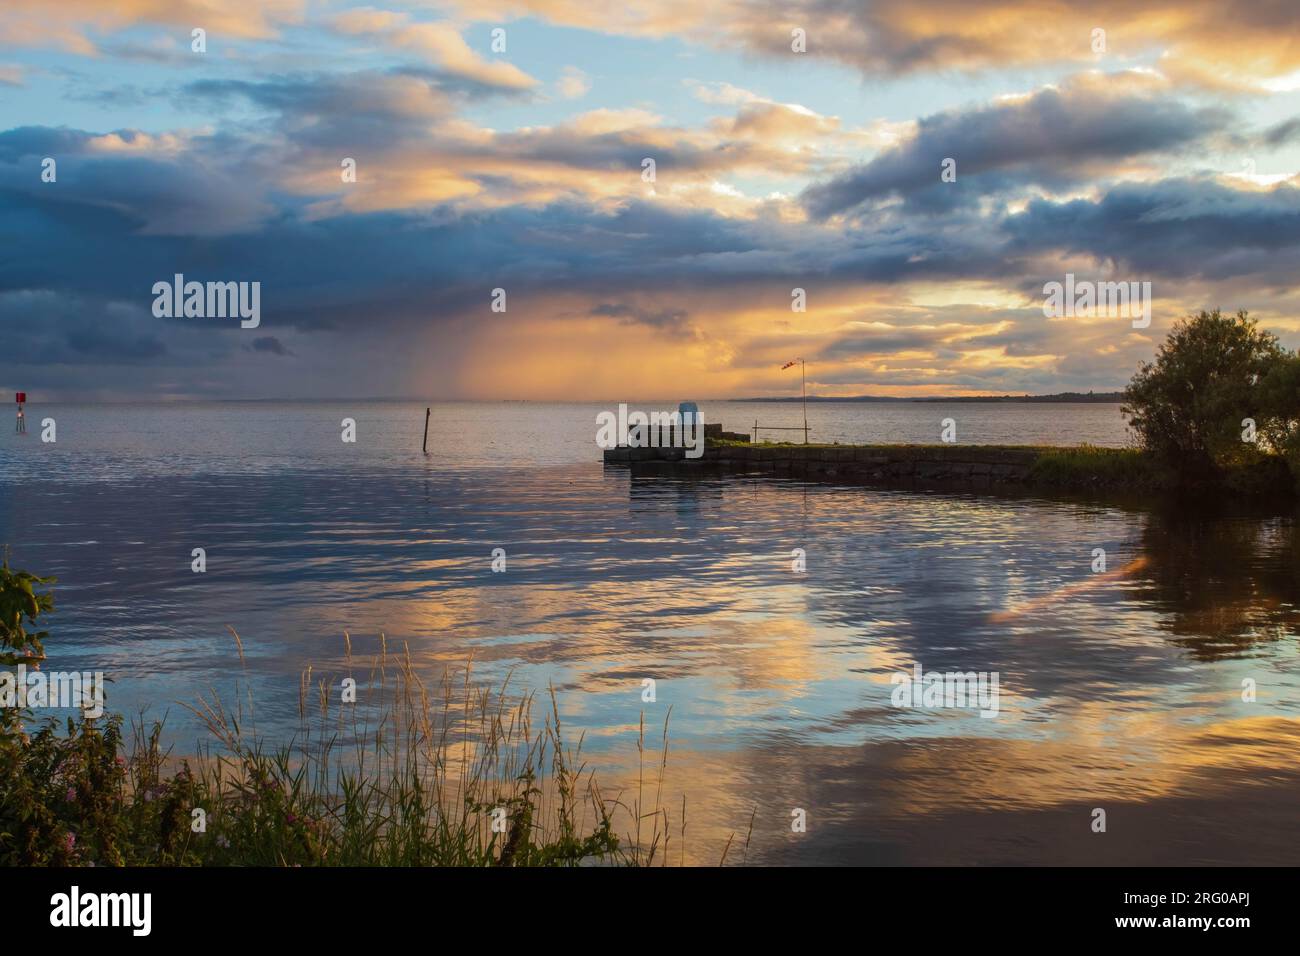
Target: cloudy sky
1170, 157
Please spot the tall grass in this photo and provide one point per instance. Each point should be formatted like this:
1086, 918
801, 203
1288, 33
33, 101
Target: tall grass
460, 774
457, 774
1086, 465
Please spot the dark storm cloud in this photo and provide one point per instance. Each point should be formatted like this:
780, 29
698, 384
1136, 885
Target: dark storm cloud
1172, 228
50, 329
1053, 138
128, 174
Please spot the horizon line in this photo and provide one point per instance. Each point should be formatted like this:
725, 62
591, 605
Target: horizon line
1096, 396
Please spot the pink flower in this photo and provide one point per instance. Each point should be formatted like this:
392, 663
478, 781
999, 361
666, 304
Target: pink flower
70, 841
72, 795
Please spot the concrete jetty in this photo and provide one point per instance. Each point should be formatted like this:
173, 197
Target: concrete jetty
974, 465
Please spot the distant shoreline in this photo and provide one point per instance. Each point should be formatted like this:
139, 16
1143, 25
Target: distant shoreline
1062, 398
1080, 398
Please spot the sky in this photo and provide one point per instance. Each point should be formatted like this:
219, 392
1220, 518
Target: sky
503, 145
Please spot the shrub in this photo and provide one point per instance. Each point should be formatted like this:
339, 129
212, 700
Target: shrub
1188, 405
21, 605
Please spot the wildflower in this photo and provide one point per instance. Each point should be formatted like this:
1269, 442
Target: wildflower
70, 841
223, 842
72, 795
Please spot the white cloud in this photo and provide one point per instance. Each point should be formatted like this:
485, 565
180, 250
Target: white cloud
572, 83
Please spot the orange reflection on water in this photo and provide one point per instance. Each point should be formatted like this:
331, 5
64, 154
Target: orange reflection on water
1168, 789
1069, 591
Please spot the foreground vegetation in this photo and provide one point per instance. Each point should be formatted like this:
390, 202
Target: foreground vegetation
411, 778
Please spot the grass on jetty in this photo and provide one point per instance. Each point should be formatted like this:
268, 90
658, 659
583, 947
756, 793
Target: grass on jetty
1250, 471
408, 778
1088, 464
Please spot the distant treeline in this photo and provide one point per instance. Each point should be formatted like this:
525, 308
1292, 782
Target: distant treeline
1064, 397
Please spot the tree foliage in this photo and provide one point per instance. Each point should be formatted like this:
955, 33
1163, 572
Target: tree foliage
20, 605
1213, 372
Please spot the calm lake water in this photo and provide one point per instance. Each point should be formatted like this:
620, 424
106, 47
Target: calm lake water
1121, 691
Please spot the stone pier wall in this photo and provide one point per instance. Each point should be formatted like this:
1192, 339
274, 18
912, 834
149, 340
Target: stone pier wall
971, 465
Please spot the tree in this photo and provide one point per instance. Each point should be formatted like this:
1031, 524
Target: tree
1280, 390
1209, 375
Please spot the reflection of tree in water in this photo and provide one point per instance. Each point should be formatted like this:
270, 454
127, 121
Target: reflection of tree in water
1223, 582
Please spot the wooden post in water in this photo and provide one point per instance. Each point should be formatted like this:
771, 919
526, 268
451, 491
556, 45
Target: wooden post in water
803, 372
426, 430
